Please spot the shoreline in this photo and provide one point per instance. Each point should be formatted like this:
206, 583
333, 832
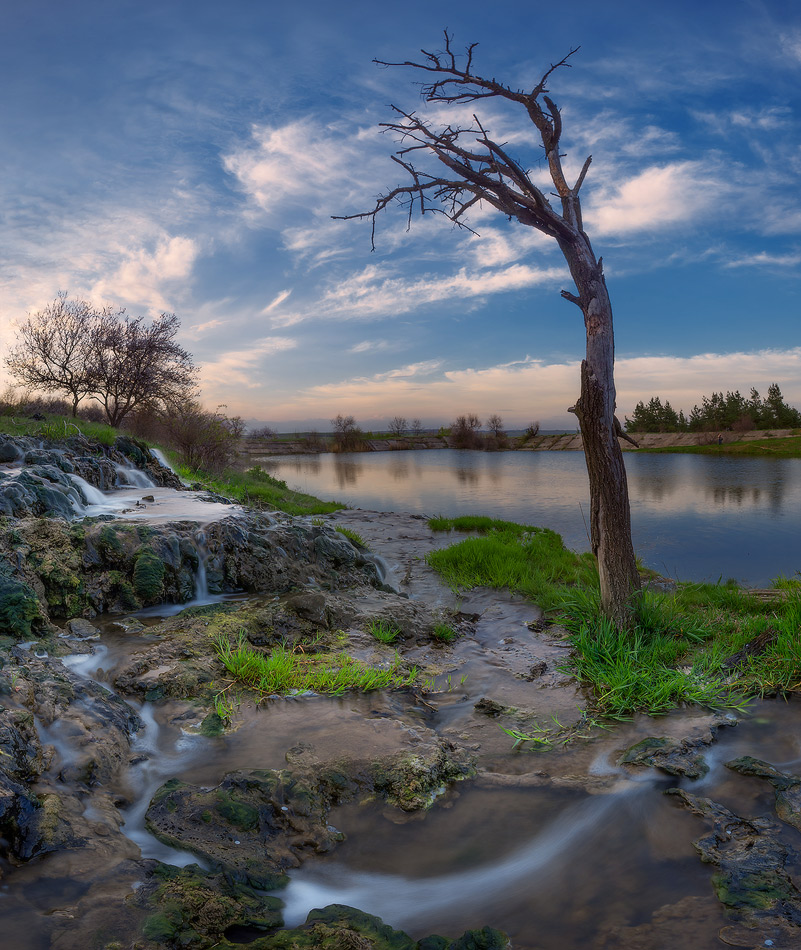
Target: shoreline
567, 442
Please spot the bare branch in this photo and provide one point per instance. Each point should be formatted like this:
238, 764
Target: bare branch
582, 175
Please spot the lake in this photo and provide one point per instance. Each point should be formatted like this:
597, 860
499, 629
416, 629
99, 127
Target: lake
694, 517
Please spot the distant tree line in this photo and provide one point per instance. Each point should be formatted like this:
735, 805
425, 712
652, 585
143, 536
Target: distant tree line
731, 411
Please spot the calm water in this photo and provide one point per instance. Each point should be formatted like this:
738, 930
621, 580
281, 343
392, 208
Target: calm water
694, 517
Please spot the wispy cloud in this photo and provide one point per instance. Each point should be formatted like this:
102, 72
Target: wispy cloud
243, 368
371, 346
276, 301
764, 259
534, 389
370, 294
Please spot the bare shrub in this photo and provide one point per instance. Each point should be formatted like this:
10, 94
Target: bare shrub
398, 426
263, 432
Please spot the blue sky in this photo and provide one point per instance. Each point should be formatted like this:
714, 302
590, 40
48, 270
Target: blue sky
188, 156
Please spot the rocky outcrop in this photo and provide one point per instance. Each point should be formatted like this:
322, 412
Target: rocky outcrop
36, 480
754, 877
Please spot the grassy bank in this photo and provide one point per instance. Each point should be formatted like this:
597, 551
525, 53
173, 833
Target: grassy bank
258, 489
788, 447
57, 427
712, 644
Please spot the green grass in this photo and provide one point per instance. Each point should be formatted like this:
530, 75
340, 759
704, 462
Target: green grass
443, 633
788, 447
57, 427
353, 536
480, 524
526, 560
384, 631
258, 489
284, 671
675, 651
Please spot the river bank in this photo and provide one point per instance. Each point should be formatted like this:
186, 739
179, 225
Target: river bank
149, 796
251, 450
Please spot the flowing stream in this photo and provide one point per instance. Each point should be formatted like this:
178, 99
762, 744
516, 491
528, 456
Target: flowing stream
563, 849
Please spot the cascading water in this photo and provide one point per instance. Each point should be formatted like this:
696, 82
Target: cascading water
158, 763
92, 496
128, 476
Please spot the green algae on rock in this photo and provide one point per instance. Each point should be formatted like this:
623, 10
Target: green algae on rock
753, 879
786, 786
338, 927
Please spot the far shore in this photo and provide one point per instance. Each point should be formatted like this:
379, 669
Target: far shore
773, 442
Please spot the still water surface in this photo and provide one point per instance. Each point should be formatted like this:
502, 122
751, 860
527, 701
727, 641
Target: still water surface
694, 517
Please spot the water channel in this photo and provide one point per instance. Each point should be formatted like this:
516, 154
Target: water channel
694, 517
570, 850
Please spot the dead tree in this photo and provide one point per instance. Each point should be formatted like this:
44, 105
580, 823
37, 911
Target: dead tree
479, 169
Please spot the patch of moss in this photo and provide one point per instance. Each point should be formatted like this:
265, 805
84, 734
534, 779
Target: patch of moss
212, 726
19, 608
239, 814
756, 890
109, 544
148, 576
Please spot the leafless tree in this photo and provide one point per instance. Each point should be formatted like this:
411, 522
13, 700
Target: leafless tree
262, 432
205, 440
135, 364
416, 427
122, 362
347, 435
474, 168
52, 352
532, 429
495, 425
465, 431
398, 425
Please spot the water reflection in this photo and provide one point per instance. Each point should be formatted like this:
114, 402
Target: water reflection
693, 517
346, 470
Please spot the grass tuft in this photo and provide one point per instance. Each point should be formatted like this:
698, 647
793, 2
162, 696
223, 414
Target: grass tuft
284, 671
384, 631
353, 536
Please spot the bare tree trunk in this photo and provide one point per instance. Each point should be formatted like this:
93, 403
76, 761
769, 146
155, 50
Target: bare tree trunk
610, 516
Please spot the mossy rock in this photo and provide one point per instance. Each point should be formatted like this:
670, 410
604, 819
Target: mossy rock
337, 927
148, 576
134, 449
19, 608
193, 908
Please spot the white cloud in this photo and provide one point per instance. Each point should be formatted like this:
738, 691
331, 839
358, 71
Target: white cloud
143, 273
301, 164
657, 197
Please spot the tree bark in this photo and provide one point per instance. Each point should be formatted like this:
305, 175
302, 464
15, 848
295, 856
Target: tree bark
610, 514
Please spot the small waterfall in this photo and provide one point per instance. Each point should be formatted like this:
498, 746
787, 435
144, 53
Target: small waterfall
161, 458
90, 494
129, 476
201, 577
147, 776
